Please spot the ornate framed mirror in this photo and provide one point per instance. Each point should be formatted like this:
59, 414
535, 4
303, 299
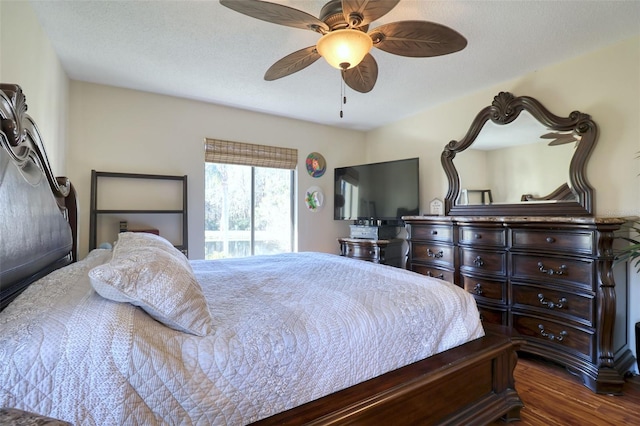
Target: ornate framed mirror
519, 159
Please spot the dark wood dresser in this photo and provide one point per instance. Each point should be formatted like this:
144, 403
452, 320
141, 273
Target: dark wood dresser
387, 252
549, 278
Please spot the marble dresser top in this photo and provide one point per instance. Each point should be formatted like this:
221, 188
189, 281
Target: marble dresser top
585, 220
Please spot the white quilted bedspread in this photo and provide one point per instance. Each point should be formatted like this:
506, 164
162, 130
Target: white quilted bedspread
287, 329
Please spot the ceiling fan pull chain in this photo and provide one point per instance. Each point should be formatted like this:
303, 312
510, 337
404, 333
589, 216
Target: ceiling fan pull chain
343, 96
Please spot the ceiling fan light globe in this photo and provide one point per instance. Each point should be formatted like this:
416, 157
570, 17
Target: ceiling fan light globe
346, 47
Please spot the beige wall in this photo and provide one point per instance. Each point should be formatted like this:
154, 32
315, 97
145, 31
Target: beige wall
28, 59
604, 84
123, 130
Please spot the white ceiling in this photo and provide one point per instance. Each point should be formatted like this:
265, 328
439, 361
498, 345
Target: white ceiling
201, 50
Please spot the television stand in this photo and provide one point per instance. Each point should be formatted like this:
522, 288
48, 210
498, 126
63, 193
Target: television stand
386, 252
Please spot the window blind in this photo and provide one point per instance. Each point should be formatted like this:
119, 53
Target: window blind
247, 154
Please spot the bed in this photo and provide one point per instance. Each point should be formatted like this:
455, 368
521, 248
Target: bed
138, 334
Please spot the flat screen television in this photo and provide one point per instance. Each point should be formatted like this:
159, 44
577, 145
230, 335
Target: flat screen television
377, 191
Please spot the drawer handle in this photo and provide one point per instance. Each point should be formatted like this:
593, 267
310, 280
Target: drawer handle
478, 289
441, 276
552, 336
434, 232
478, 261
551, 240
561, 271
437, 255
552, 305
477, 236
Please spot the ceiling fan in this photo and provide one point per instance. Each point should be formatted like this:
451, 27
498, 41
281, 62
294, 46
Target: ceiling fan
561, 138
346, 39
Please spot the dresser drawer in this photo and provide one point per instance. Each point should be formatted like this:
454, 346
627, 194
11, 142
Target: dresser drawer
431, 271
478, 236
492, 316
577, 307
442, 233
483, 261
425, 252
553, 240
488, 289
553, 333
563, 271
388, 252
367, 251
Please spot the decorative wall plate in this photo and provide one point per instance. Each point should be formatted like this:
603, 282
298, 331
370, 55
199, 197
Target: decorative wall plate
316, 164
314, 198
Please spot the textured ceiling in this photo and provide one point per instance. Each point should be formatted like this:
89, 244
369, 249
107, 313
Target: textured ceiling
201, 50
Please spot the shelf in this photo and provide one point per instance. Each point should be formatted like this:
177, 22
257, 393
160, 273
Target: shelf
138, 176
139, 211
96, 213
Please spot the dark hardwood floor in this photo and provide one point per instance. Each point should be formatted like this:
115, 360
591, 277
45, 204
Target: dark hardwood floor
553, 396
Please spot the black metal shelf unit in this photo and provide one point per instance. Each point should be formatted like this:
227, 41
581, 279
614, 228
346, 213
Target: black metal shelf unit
95, 212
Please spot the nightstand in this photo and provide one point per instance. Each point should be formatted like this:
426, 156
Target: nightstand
387, 252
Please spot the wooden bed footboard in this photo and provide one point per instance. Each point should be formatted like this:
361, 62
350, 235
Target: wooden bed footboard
471, 384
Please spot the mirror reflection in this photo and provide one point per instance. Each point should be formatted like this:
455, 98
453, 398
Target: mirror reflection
522, 161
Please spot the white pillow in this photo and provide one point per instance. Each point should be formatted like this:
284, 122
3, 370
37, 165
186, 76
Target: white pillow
137, 240
159, 283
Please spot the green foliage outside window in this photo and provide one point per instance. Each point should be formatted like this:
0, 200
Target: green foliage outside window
228, 191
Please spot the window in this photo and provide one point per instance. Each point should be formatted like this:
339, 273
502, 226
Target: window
249, 208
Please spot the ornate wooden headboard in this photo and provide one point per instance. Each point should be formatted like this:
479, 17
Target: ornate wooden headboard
38, 212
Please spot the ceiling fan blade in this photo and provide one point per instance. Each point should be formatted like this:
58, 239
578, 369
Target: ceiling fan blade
362, 12
294, 62
276, 13
417, 39
363, 77
561, 141
555, 135
560, 138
